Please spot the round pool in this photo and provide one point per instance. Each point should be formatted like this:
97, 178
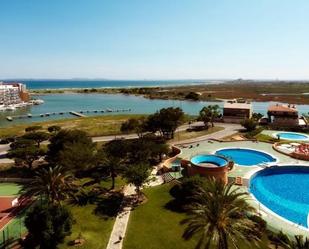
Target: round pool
284, 190
246, 157
292, 136
205, 160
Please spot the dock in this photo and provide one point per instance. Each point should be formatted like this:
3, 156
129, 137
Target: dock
79, 114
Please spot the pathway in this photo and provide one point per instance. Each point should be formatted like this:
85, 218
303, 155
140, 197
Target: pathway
121, 222
120, 226
229, 129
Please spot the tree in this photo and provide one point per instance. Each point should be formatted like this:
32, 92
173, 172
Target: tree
137, 175
37, 136
249, 124
185, 191
134, 125
47, 226
277, 239
62, 140
33, 128
52, 184
298, 243
108, 165
257, 116
54, 129
76, 156
25, 152
208, 114
219, 217
193, 96
165, 121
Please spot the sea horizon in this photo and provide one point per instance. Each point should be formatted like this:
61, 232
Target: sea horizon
40, 84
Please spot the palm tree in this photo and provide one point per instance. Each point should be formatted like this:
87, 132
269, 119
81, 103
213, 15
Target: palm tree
51, 183
108, 164
219, 217
298, 243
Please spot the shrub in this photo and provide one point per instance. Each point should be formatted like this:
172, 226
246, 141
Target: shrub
249, 124
47, 226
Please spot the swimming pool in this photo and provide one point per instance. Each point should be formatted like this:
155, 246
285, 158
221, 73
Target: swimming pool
291, 136
212, 159
246, 157
284, 190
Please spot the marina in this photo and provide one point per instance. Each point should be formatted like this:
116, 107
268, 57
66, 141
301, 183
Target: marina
101, 104
73, 113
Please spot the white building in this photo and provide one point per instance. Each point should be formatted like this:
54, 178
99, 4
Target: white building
12, 93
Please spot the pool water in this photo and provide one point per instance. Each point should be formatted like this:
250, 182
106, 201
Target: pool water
292, 136
246, 157
213, 159
284, 190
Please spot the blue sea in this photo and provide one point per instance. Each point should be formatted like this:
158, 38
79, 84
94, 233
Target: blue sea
55, 84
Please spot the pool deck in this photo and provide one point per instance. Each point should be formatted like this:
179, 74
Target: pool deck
274, 221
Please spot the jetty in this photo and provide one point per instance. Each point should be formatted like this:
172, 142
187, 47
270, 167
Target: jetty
79, 114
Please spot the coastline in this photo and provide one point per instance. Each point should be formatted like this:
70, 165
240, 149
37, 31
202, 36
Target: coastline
295, 92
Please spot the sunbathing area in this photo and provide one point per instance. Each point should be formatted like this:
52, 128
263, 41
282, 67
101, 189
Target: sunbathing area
295, 150
251, 164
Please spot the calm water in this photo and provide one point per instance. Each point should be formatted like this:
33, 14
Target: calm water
284, 190
55, 84
138, 105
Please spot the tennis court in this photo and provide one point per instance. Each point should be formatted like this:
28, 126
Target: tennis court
12, 213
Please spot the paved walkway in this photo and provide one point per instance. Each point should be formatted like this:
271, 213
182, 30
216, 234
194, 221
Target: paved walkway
229, 129
121, 222
120, 226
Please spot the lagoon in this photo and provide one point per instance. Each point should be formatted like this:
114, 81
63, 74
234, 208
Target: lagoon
137, 104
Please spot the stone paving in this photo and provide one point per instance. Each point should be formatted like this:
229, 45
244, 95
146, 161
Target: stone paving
122, 219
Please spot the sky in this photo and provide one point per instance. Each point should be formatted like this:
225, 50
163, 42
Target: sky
154, 39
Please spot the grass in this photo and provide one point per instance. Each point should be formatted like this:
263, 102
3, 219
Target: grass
265, 138
94, 126
94, 229
9, 189
184, 135
153, 226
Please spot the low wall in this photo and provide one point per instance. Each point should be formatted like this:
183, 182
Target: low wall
219, 173
295, 155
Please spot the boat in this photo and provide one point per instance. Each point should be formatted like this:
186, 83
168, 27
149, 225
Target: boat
37, 101
10, 108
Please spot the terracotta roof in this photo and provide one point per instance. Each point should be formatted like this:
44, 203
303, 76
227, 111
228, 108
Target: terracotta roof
282, 108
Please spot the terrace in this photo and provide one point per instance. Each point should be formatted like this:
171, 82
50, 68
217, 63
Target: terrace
245, 172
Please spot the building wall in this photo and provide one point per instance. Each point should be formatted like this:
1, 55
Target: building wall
13, 93
285, 122
219, 173
236, 115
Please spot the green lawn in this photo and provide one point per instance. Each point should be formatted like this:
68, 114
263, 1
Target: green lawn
9, 189
94, 229
152, 226
94, 126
